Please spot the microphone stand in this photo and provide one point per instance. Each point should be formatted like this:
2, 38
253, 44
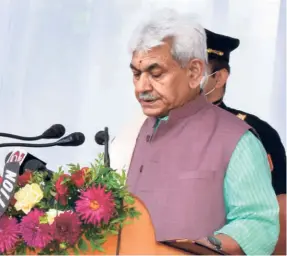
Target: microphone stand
106, 145
102, 138
107, 164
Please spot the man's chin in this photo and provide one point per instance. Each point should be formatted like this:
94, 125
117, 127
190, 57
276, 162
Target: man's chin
152, 112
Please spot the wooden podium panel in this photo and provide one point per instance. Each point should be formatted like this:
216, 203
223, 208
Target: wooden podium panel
138, 238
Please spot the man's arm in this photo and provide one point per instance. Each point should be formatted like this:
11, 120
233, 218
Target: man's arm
251, 206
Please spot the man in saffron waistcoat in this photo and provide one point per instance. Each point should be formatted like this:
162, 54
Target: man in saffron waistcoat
198, 169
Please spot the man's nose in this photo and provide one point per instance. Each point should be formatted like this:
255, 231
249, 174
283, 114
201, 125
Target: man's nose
143, 84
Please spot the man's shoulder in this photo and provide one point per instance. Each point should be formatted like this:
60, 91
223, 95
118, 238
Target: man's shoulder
262, 129
228, 118
254, 121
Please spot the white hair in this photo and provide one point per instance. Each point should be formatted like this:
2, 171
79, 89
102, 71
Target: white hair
188, 37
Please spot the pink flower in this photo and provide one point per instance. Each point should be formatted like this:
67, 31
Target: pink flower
67, 228
9, 233
95, 205
35, 234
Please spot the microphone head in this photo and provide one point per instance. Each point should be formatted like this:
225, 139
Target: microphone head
100, 137
72, 140
56, 131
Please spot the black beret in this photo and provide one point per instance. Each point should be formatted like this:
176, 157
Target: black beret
219, 46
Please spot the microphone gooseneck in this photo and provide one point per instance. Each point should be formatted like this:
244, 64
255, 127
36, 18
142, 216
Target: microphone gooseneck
73, 140
56, 131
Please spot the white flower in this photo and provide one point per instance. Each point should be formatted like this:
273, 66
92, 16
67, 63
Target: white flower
52, 214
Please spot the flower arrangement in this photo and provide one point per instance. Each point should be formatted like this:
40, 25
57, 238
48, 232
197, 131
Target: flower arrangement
66, 211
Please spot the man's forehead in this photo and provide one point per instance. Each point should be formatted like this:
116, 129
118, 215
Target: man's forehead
158, 55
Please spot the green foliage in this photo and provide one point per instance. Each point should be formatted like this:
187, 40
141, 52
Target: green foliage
82, 245
21, 248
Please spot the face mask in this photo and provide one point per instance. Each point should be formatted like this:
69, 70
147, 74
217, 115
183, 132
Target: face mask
204, 82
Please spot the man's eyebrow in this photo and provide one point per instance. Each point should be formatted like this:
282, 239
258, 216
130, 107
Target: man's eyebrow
134, 68
149, 68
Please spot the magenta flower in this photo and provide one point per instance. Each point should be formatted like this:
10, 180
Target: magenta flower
35, 234
67, 228
9, 233
95, 205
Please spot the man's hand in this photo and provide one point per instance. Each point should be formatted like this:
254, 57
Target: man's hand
228, 245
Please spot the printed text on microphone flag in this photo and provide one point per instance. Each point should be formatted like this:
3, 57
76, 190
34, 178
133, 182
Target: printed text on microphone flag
7, 187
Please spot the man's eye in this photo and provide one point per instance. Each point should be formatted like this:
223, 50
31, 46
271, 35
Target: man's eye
137, 75
156, 75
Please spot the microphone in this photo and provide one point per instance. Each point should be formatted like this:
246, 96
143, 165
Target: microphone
73, 140
56, 131
102, 138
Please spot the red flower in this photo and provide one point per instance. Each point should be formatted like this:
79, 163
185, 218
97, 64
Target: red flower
24, 178
1, 179
13, 201
78, 177
67, 228
62, 189
63, 199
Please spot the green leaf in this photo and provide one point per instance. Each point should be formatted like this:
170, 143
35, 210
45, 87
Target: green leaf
129, 199
64, 252
65, 180
82, 245
133, 213
128, 222
99, 248
76, 251
101, 241
97, 245
124, 175
113, 232
114, 221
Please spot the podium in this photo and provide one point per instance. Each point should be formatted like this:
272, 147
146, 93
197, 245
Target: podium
138, 238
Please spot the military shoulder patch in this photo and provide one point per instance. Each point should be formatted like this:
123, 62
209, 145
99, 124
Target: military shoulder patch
241, 116
270, 162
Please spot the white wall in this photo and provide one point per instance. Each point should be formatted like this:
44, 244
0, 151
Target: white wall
65, 61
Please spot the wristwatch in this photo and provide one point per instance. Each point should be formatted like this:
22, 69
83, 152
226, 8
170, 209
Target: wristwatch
215, 242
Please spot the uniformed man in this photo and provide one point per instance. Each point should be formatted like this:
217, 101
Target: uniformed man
219, 48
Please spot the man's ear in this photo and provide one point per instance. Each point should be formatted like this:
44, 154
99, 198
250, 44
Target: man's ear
221, 78
195, 72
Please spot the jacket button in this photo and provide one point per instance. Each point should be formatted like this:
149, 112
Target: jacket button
147, 138
141, 168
